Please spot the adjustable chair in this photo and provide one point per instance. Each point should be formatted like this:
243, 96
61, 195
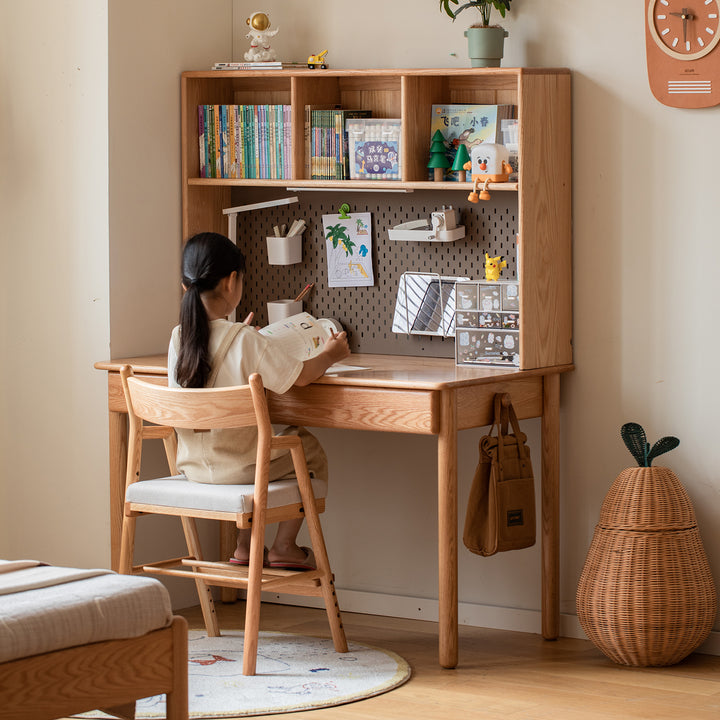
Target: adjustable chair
248, 506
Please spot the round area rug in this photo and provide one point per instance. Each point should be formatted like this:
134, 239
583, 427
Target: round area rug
294, 672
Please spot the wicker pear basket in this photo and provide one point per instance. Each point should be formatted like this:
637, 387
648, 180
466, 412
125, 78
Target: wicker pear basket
646, 596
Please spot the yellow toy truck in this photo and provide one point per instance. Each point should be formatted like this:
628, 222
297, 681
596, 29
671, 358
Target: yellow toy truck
317, 61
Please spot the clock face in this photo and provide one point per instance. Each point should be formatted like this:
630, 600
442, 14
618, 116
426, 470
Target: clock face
683, 32
683, 51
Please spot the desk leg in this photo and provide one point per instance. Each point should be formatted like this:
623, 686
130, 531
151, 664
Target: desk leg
448, 532
551, 507
118, 464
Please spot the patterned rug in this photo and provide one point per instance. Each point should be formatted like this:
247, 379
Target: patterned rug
294, 672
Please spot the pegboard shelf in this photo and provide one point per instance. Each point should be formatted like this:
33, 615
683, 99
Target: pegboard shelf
527, 222
349, 184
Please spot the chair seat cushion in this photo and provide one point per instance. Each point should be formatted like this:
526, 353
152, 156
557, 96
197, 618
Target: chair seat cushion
178, 491
63, 608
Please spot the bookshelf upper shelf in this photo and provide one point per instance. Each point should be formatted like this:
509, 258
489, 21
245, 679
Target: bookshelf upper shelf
348, 184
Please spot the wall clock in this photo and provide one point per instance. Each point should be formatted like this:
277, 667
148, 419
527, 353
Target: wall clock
683, 56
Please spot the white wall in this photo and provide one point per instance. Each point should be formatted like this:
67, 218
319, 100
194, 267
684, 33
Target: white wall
54, 288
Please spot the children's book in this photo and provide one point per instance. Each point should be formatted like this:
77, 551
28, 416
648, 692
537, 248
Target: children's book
302, 335
468, 125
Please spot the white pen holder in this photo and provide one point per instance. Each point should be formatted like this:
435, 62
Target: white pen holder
284, 250
281, 309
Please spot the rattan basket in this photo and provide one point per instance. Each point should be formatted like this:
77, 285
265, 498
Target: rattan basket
646, 596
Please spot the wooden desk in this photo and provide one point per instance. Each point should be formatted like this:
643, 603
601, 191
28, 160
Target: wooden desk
427, 396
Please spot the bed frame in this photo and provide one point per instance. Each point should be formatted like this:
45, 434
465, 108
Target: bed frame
109, 675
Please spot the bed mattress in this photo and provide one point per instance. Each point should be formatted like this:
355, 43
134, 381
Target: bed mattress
45, 608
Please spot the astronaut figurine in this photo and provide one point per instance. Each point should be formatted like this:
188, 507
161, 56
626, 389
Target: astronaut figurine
259, 36
488, 163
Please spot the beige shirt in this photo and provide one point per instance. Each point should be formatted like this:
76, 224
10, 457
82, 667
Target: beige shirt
228, 456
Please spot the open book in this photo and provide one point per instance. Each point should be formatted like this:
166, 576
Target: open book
302, 335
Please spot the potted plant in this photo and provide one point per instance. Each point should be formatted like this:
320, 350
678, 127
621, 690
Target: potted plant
485, 41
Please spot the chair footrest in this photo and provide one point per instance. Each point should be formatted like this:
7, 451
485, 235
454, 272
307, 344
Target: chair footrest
297, 582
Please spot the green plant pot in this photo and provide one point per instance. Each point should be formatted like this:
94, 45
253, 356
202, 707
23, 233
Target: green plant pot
485, 45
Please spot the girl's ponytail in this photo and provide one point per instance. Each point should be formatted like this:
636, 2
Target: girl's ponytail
207, 259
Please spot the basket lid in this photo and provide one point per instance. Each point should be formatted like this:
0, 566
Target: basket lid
647, 498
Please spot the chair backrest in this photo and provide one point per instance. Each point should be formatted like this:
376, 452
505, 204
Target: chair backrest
191, 408
197, 408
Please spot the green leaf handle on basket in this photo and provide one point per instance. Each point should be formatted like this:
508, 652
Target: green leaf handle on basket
634, 438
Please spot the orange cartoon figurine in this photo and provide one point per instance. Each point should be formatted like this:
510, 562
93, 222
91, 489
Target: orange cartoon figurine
488, 163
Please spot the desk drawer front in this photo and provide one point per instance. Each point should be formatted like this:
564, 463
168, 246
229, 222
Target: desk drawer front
476, 403
356, 408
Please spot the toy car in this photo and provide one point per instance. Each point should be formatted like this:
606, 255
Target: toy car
315, 61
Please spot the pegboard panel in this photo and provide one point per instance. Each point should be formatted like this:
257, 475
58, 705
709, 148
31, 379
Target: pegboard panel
367, 312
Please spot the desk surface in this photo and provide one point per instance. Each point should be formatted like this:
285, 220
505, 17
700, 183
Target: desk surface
390, 371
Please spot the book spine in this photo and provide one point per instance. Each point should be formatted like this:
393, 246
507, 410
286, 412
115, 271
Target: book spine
210, 130
202, 166
288, 141
256, 139
237, 139
218, 145
308, 141
231, 141
223, 141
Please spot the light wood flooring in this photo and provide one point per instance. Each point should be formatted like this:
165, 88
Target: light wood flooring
501, 674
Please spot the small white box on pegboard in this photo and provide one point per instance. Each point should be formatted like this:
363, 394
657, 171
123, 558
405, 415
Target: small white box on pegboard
374, 145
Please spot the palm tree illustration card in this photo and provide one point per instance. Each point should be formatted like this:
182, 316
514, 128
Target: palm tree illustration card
348, 241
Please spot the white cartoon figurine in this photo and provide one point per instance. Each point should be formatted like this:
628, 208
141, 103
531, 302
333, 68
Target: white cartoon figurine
260, 35
488, 163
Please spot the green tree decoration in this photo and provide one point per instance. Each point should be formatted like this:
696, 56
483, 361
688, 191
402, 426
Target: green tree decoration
634, 437
438, 158
461, 157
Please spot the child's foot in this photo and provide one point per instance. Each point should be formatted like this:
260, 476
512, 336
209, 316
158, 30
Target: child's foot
300, 558
241, 556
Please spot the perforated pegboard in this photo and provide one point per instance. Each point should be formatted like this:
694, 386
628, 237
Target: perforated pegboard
367, 312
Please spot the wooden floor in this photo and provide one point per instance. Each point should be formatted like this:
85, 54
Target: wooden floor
501, 674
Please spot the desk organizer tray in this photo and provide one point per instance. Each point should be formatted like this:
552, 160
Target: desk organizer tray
487, 322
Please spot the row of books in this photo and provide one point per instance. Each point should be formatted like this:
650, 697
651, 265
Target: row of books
326, 141
254, 141
244, 141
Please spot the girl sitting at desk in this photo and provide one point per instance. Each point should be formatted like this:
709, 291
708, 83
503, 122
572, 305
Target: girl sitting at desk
207, 350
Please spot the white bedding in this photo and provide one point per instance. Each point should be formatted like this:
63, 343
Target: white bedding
45, 608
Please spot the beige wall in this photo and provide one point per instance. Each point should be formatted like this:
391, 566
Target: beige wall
645, 259
54, 287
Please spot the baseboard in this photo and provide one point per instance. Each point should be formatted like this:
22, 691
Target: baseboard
489, 616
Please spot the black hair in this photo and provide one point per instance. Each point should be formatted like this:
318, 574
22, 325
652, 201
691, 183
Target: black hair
207, 258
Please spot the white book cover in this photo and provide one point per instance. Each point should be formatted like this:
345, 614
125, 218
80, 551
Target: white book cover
302, 335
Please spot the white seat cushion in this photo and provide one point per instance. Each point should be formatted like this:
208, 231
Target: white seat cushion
178, 491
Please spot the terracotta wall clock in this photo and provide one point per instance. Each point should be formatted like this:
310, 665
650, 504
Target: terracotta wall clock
683, 56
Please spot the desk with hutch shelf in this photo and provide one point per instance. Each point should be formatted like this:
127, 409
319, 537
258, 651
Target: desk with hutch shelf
401, 392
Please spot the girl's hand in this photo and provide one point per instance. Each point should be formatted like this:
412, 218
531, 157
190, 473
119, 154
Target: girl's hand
337, 347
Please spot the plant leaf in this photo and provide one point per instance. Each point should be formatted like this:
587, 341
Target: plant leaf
634, 438
663, 445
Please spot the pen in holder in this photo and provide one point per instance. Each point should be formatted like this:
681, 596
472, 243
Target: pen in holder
286, 249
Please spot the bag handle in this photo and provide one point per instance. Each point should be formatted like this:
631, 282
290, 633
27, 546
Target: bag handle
504, 414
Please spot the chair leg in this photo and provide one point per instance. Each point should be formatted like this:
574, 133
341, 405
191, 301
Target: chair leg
127, 544
254, 587
203, 589
317, 539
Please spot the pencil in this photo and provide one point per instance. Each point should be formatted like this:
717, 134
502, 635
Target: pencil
305, 291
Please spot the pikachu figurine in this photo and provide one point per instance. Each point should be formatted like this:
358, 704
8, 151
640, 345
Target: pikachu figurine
493, 267
488, 163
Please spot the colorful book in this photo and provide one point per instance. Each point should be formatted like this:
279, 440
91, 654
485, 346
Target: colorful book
469, 125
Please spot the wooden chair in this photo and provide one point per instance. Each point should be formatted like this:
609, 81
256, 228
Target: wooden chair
248, 506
